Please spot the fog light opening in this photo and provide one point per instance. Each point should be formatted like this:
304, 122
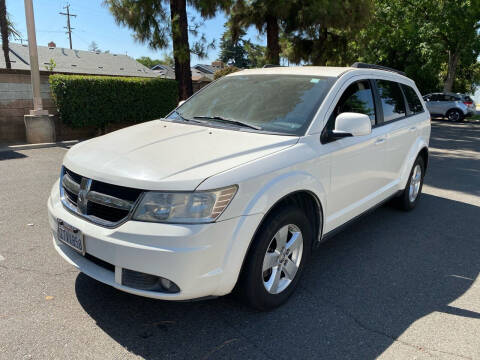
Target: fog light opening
147, 282
169, 286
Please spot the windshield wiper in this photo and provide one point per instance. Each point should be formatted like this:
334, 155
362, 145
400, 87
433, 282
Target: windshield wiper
184, 118
229, 121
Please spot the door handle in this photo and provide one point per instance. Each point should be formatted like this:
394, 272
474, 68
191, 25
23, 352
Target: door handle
413, 128
380, 141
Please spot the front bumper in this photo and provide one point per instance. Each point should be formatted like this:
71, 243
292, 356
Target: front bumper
203, 259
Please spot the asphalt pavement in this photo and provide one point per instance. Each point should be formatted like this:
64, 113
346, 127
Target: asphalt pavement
394, 285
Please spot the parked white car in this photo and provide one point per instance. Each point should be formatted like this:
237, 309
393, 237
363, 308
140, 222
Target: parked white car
238, 184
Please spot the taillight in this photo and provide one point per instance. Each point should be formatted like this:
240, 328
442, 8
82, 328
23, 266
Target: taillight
468, 103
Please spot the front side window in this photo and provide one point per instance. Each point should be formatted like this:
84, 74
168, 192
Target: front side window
391, 98
284, 104
358, 98
414, 104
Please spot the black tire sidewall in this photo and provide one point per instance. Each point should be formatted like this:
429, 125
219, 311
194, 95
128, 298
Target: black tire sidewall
251, 286
460, 117
406, 203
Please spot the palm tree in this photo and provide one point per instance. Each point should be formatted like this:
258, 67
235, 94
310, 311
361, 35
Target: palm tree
7, 30
4, 31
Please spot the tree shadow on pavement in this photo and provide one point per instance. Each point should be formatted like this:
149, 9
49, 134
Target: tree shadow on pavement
9, 155
360, 292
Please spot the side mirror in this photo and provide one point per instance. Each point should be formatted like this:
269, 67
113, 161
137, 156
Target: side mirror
180, 103
351, 124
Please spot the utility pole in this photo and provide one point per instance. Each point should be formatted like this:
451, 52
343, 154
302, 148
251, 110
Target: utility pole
39, 125
68, 27
34, 68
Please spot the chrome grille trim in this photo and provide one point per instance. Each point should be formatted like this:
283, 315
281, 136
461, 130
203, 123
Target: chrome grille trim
84, 195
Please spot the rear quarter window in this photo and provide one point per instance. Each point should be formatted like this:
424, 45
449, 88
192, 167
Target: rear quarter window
414, 104
392, 101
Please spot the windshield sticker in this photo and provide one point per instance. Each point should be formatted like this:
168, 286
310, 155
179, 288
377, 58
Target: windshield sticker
314, 81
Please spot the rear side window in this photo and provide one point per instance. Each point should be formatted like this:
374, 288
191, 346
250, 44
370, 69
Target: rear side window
358, 98
447, 97
391, 98
414, 103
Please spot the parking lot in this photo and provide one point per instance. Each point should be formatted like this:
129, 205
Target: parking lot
394, 285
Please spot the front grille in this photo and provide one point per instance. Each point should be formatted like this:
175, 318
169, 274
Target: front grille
99, 202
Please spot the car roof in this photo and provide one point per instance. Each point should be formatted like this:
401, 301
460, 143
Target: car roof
325, 71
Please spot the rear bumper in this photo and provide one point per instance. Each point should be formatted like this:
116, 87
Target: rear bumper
203, 260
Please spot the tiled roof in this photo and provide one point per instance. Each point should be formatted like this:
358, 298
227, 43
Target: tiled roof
207, 69
165, 71
197, 74
77, 61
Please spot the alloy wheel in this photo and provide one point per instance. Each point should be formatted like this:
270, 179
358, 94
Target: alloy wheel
415, 182
282, 259
454, 116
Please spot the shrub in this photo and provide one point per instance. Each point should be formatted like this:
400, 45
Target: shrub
101, 100
225, 71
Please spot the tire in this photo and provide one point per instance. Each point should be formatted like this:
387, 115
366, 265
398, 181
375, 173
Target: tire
411, 194
455, 115
259, 288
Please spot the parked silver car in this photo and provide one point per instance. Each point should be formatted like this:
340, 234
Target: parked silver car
467, 100
449, 105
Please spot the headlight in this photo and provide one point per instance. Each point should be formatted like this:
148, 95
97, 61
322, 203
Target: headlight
184, 207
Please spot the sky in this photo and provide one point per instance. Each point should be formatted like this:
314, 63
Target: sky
95, 23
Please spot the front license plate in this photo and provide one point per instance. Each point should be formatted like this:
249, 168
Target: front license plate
71, 236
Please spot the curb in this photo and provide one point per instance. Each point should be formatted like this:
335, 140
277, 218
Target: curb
38, 146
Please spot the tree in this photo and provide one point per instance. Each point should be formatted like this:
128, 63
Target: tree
225, 71
314, 27
157, 22
93, 47
150, 63
4, 31
232, 51
256, 54
426, 39
7, 30
318, 31
266, 16
458, 24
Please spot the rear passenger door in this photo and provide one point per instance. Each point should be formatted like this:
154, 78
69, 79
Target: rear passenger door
401, 107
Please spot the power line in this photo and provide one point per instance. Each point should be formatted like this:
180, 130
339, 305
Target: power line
68, 27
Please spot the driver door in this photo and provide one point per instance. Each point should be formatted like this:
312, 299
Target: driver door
357, 163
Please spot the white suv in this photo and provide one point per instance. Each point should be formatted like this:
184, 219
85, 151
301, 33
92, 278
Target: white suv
238, 184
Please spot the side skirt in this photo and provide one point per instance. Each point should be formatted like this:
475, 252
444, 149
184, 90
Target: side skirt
340, 228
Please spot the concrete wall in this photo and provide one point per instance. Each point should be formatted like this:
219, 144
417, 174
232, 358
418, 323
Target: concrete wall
16, 101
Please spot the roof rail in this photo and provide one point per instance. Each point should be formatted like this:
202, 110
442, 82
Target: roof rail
361, 65
266, 66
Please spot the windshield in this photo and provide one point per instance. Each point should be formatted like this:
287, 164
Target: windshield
272, 103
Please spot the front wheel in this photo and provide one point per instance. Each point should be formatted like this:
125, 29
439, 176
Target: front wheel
276, 259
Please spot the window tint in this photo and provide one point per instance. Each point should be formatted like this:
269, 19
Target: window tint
435, 97
414, 103
392, 100
357, 98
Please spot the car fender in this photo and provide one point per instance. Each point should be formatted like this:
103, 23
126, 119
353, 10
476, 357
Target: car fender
258, 208
419, 144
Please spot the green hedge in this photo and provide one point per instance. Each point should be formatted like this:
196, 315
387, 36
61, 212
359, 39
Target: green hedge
101, 100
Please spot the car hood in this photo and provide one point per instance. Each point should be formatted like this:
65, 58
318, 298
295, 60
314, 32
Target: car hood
163, 155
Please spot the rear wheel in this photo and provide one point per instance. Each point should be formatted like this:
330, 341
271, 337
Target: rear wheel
455, 115
276, 259
410, 195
